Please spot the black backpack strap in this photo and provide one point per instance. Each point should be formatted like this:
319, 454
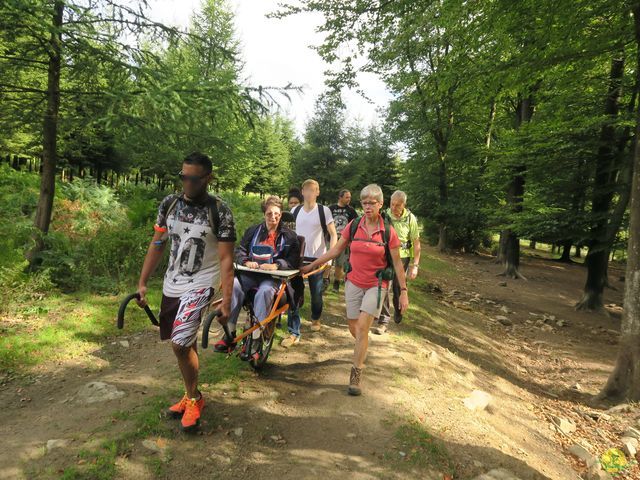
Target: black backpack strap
214, 214
295, 212
386, 237
172, 205
323, 222
354, 228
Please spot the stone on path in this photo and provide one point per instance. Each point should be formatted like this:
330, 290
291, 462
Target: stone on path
158, 445
433, 357
497, 474
630, 446
478, 400
94, 392
563, 425
632, 433
583, 454
56, 443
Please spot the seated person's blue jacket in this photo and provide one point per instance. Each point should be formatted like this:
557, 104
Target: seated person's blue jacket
287, 253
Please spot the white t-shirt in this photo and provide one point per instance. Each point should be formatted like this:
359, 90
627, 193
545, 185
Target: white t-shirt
193, 259
308, 225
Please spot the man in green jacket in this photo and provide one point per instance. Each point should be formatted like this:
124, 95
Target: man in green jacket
406, 226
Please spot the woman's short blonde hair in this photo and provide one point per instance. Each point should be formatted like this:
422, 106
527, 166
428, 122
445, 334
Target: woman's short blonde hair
372, 191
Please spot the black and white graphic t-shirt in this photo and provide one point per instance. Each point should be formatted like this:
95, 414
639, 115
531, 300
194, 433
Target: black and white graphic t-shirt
342, 216
193, 259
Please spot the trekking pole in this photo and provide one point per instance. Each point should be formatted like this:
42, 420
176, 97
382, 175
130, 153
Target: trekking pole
123, 307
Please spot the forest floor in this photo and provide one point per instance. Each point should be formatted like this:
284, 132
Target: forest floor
467, 330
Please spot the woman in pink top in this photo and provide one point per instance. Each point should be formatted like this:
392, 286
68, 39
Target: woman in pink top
365, 287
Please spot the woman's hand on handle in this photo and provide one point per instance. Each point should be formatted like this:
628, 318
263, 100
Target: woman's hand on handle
307, 268
337, 249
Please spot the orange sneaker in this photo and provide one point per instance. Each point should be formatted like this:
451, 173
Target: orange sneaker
177, 409
191, 417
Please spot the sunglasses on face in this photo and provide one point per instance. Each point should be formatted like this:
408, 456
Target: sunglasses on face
191, 178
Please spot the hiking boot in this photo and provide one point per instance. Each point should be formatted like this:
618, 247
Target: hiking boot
290, 341
191, 417
397, 317
177, 409
380, 329
316, 325
225, 345
336, 286
354, 382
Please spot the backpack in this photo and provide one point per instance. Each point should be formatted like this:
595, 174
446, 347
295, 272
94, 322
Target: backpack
212, 204
323, 220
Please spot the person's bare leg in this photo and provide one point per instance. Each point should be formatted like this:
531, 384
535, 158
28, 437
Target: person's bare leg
361, 330
189, 365
352, 326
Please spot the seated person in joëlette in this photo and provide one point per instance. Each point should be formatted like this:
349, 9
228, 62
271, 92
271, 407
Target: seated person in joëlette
269, 245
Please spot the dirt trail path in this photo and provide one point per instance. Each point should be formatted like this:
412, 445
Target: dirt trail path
294, 419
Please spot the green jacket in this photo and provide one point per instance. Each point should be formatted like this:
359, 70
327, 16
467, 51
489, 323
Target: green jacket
407, 229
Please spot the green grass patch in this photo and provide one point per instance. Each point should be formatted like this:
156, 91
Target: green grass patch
64, 326
432, 264
421, 450
220, 369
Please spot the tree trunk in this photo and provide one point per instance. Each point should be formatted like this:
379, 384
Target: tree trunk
444, 198
512, 241
624, 381
596, 263
501, 256
532, 244
602, 197
566, 252
442, 238
49, 136
515, 193
578, 253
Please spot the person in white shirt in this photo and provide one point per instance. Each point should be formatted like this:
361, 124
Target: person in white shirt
315, 223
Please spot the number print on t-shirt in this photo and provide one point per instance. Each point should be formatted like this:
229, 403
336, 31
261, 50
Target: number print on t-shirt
191, 258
